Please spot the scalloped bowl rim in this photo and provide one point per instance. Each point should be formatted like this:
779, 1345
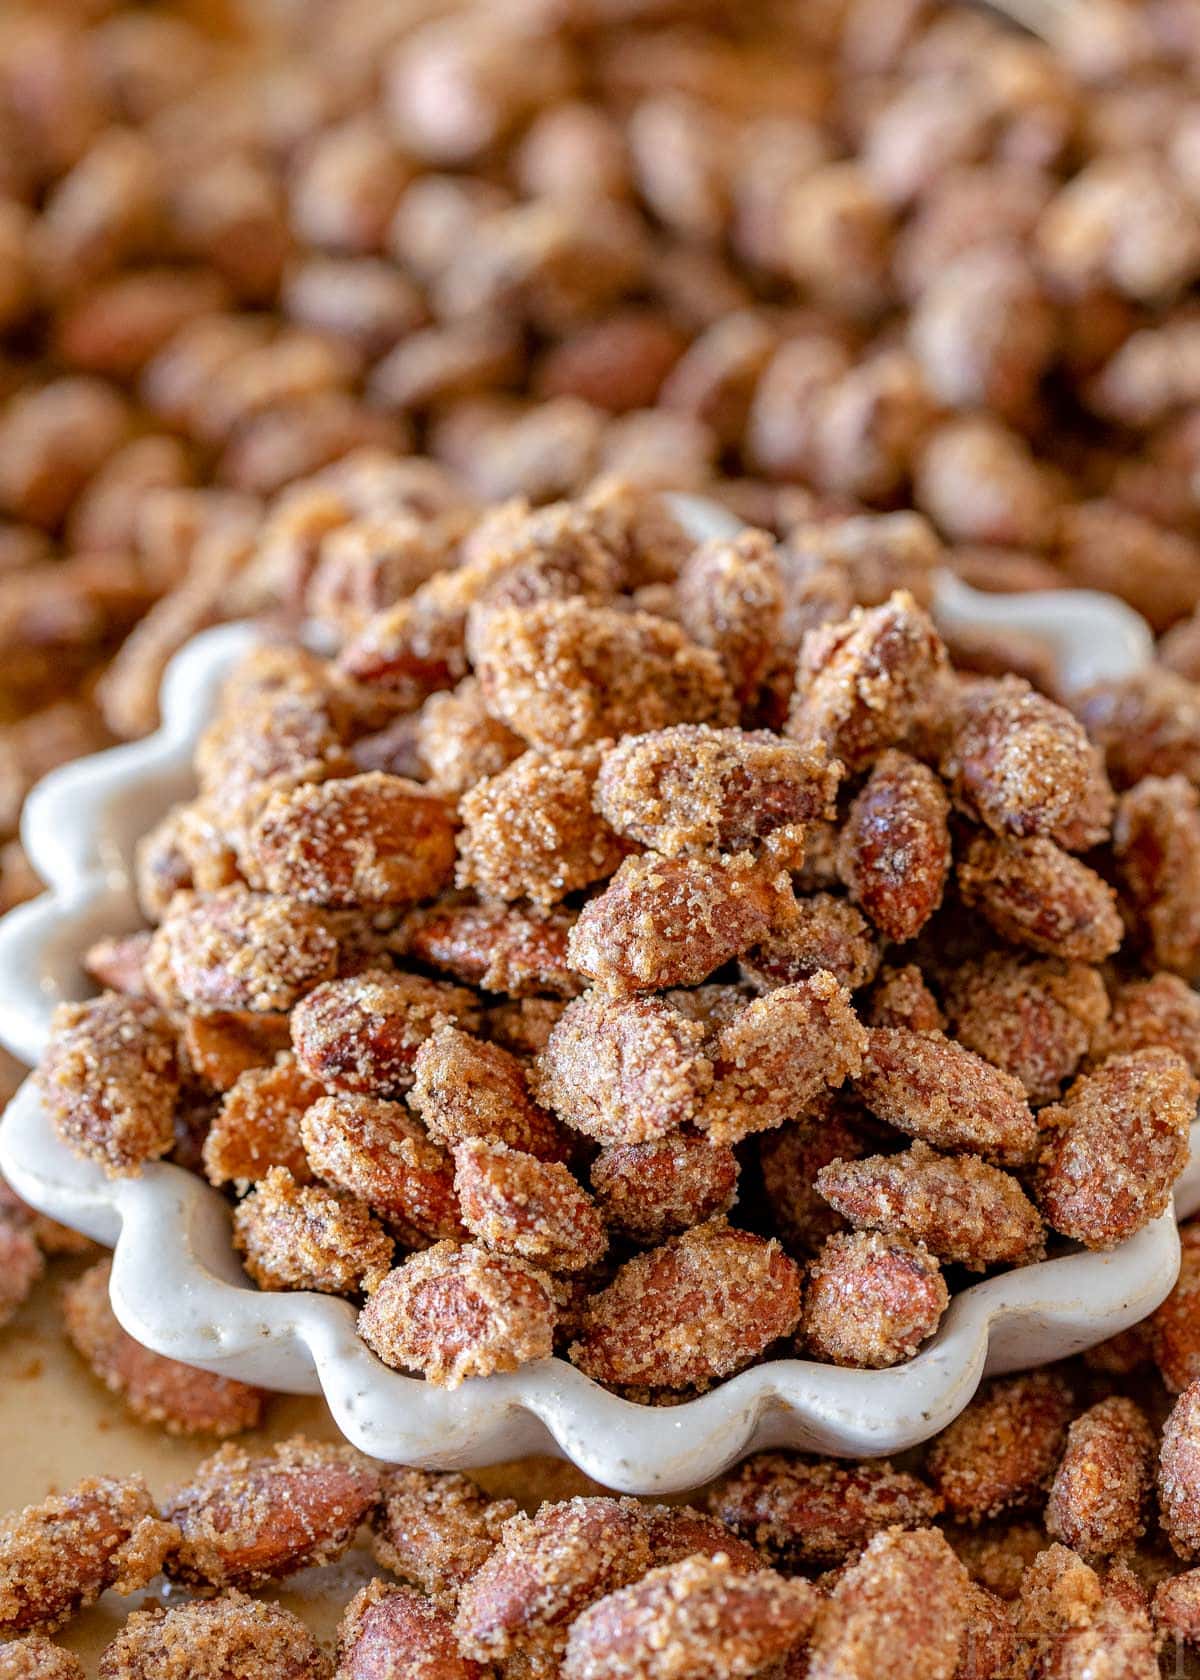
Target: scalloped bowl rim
178, 1288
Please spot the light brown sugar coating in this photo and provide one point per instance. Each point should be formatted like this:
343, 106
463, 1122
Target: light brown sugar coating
740, 1292
819, 931
436, 1528
457, 1311
658, 1188
800, 1511
516, 1204
665, 922
1024, 766
1035, 894
258, 1125
1147, 724
390, 1629
246, 1519
531, 831
1115, 1146
465, 1087
362, 1034
110, 1080
862, 685
938, 1091
730, 598
514, 950
234, 949
1033, 1017
304, 1236
894, 855
1172, 1332
1156, 843
790, 1160
377, 1152
1162, 1010
694, 789
1000, 1453
359, 842
184, 1401
902, 998
37, 1658
906, 1600
698, 1617
460, 742
624, 1070
62, 1554
961, 1208
779, 1055
210, 1638
564, 673
871, 1299
1101, 1488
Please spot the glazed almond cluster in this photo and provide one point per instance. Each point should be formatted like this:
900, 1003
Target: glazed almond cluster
607, 950
1047, 1534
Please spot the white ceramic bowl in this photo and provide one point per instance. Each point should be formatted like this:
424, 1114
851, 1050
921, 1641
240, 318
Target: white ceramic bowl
178, 1287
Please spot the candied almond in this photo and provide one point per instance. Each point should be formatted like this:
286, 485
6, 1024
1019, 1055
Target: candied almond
1024, 766
21, 1263
1033, 1017
935, 1090
36, 1658
509, 949
457, 1311
545, 1571
1156, 843
1179, 1473
1163, 1010
700, 1305
681, 1531
563, 673
387, 1629
1002, 1451
362, 841
1172, 1337
218, 1049
901, 998
435, 1529
814, 933
362, 1034
209, 1639
624, 1070
730, 598
901, 1608
1115, 1146
699, 1616
894, 853
1103, 1482
1034, 893
258, 1126
460, 743
303, 1236
247, 1520
1176, 1608
516, 1204
664, 922
790, 1159
863, 685
1146, 724
656, 1189
110, 1081
781, 1053
871, 1299
963, 1210
1071, 1623
185, 1401
375, 1151
60, 1555
800, 1511
691, 788
465, 1088
531, 831
234, 949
